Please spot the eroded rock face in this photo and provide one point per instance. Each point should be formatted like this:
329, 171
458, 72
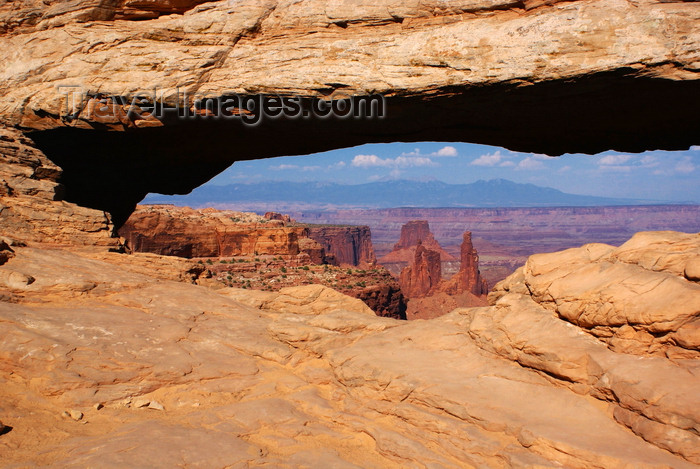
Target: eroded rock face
32, 15
349, 245
494, 72
424, 273
643, 314
185, 232
468, 279
413, 233
259, 378
623, 296
32, 207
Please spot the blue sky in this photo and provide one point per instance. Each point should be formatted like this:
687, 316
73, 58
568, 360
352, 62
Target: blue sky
654, 175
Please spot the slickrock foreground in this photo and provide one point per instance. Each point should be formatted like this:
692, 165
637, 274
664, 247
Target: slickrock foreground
557, 372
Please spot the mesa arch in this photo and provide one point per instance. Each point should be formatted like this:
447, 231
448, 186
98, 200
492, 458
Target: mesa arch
542, 76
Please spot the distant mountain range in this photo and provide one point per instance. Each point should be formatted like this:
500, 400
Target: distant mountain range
387, 194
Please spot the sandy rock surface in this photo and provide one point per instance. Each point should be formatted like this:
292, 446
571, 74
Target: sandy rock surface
307, 377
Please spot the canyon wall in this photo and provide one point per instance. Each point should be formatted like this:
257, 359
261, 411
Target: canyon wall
184, 232
505, 237
268, 252
349, 245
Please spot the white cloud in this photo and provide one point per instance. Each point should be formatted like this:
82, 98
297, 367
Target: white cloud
564, 169
442, 152
310, 168
446, 151
685, 166
695, 148
610, 160
284, 167
407, 161
531, 163
507, 164
368, 161
490, 159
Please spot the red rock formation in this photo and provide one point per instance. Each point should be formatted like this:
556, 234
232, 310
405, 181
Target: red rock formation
468, 279
277, 216
505, 237
423, 275
411, 233
440, 303
184, 232
316, 253
350, 245
430, 296
386, 300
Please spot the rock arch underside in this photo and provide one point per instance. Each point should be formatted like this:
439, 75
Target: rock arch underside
588, 357
542, 76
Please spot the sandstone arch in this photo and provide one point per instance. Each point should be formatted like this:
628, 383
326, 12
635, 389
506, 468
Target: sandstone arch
543, 76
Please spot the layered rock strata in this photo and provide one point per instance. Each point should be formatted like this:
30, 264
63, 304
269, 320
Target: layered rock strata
468, 279
186, 232
32, 205
423, 275
235, 378
430, 295
413, 233
267, 253
89, 85
349, 245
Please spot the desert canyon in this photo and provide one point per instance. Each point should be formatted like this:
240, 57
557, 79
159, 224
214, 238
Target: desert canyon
111, 357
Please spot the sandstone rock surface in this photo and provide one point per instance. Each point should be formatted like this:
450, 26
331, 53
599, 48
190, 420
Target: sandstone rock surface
184, 232
259, 379
413, 233
350, 245
430, 295
468, 278
495, 72
423, 275
32, 205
